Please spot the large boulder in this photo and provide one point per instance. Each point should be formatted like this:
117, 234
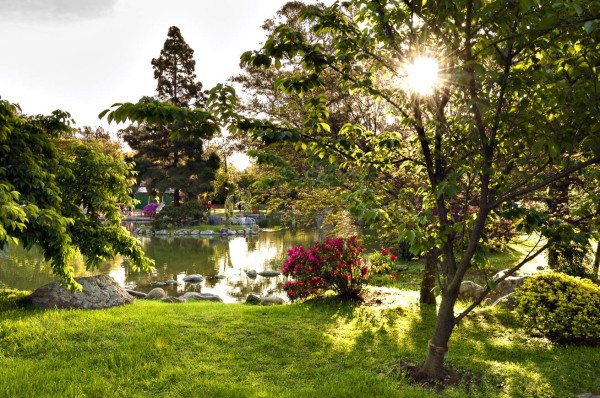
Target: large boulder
470, 291
508, 285
99, 291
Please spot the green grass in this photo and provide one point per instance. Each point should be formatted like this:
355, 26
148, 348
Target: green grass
321, 349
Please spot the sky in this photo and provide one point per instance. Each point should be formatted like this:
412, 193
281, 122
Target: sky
82, 56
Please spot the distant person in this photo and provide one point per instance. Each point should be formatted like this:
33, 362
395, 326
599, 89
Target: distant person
208, 206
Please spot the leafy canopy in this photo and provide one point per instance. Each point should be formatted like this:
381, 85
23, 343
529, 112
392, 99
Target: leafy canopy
54, 188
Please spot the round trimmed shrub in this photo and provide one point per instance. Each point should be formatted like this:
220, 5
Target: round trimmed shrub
563, 308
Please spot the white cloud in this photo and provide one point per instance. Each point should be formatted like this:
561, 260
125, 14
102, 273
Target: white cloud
55, 10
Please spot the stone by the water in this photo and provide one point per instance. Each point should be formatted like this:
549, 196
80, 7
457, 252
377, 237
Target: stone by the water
201, 296
100, 291
194, 278
268, 274
156, 293
170, 299
155, 284
251, 274
136, 294
171, 282
253, 299
272, 300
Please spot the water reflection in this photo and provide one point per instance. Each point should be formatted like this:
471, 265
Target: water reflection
176, 257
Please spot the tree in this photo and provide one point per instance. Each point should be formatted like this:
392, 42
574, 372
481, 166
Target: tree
163, 158
53, 189
513, 113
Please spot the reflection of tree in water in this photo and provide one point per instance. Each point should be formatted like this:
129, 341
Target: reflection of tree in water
27, 270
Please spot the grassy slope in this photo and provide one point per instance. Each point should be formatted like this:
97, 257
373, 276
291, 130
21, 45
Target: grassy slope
301, 350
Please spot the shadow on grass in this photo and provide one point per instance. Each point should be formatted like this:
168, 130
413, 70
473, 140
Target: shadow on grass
490, 339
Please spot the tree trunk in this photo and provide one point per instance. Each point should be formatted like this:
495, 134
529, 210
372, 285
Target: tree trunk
176, 198
558, 204
596, 263
433, 368
428, 281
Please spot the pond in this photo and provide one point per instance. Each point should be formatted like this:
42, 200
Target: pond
229, 258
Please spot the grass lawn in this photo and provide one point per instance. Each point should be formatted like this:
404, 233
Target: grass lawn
326, 349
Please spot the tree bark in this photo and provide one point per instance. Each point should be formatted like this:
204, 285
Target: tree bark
558, 204
176, 198
596, 263
433, 368
428, 281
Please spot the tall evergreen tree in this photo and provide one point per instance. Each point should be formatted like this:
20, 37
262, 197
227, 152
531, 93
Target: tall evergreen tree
165, 159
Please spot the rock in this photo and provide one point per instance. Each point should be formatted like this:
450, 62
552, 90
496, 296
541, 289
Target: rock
507, 301
255, 229
100, 291
201, 296
269, 274
247, 231
253, 299
161, 232
158, 284
272, 300
207, 232
215, 220
195, 232
469, 291
156, 293
251, 274
508, 285
171, 282
215, 277
540, 268
170, 299
136, 294
194, 278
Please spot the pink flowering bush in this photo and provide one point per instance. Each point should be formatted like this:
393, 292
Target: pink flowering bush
334, 265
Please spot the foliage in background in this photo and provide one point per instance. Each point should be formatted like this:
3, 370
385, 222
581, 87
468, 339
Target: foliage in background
189, 213
167, 155
560, 307
335, 264
54, 188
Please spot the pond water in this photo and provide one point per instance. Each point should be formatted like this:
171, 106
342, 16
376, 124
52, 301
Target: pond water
175, 257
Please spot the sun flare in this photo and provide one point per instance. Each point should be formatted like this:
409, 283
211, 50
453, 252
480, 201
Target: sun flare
422, 75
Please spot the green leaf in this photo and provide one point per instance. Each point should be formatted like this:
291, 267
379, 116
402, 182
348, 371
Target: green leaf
590, 26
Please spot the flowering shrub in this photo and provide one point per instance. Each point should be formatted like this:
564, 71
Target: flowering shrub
563, 308
150, 209
381, 261
334, 265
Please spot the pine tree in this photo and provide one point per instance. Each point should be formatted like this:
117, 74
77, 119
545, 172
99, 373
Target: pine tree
164, 161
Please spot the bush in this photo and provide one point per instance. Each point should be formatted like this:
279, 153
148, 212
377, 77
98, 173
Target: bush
334, 265
11, 298
382, 261
562, 308
187, 213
